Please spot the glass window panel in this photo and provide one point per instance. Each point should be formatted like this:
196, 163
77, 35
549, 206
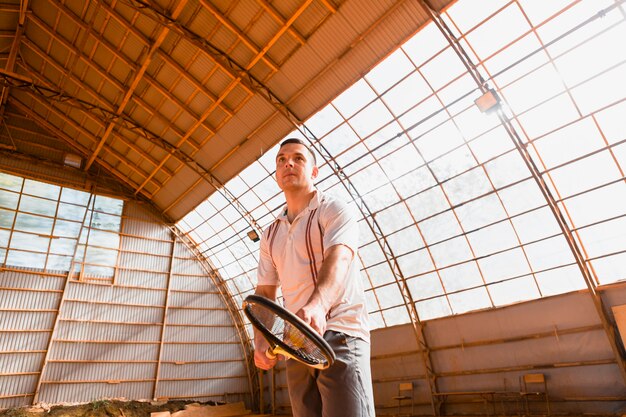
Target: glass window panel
41, 189
492, 144
459, 95
522, 197
370, 119
101, 256
422, 119
453, 163
62, 246
561, 111
498, 31
425, 44
30, 242
560, 280
340, 139
540, 10
534, 88
573, 16
472, 123
492, 239
324, 121
451, 252
69, 195
109, 205
389, 296
71, 212
439, 141
467, 186
433, 308
371, 254
59, 263
428, 203
406, 94
504, 265
585, 174
612, 122
381, 198
549, 253
507, 169
514, 291
536, 225
604, 238
106, 239
500, 65
253, 174
8, 199
414, 182
479, 213
395, 67
236, 186
6, 218
469, 300
66, 229
10, 182
610, 83
460, 277
34, 224
380, 274
368, 179
569, 143
440, 227
375, 320
396, 316
415, 263
405, 240
393, 218
26, 259
442, 69
469, 13
592, 57
354, 98
38, 205
4, 239
610, 269
370, 301
401, 162
425, 286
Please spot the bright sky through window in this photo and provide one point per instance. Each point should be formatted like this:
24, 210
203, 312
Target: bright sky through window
467, 223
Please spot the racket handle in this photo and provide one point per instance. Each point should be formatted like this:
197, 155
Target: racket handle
270, 354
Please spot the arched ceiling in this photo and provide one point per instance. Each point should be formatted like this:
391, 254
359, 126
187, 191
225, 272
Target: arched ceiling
175, 97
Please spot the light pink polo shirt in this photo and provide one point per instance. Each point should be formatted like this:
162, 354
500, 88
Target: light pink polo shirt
292, 254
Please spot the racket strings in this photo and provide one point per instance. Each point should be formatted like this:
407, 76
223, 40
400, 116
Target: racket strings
290, 335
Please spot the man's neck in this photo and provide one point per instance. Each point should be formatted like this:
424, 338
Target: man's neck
297, 201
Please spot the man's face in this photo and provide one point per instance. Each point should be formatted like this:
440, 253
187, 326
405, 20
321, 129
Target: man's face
295, 168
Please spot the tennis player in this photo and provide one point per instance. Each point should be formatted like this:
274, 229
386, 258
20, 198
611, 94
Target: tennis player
310, 251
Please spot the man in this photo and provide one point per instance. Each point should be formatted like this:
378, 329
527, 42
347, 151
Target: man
310, 251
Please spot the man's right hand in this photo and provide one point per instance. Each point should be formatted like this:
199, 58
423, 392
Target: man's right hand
260, 357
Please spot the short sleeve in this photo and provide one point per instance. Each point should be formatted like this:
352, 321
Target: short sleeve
339, 224
266, 271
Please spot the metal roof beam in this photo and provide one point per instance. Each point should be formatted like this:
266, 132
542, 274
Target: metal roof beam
240, 35
133, 84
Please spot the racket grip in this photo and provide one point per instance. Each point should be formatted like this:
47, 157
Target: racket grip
270, 354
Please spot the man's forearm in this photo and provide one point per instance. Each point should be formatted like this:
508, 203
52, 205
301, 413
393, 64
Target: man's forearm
331, 277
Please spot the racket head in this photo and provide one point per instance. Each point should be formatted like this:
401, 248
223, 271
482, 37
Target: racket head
287, 334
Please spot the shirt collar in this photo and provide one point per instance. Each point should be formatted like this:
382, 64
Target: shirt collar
313, 204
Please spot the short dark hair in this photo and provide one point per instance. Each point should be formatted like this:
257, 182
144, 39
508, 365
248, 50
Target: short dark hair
300, 142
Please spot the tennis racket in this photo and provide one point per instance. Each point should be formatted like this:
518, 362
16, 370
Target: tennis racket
287, 334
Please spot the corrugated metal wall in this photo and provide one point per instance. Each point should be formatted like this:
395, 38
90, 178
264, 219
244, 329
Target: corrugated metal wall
560, 337
163, 315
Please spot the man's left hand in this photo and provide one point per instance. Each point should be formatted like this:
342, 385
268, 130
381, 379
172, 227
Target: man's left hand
314, 315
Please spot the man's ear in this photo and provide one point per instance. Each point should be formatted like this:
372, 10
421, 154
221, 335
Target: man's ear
315, 172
